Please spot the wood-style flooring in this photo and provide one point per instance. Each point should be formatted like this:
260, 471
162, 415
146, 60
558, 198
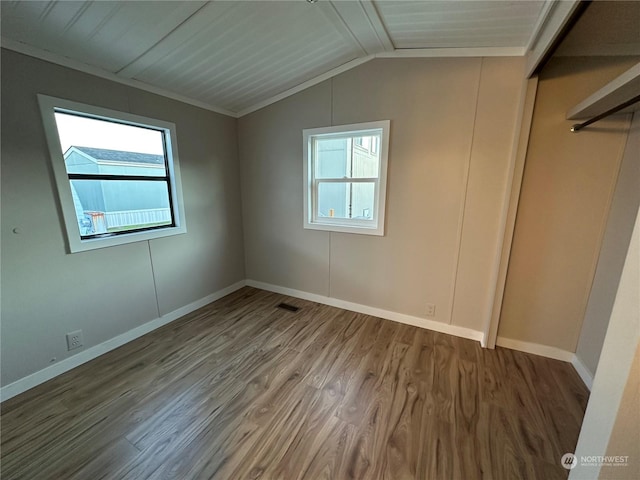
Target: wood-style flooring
241, 389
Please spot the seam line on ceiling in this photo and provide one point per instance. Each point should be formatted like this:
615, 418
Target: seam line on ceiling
132, 62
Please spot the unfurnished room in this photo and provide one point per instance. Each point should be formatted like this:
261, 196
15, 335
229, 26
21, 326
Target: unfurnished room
320, 239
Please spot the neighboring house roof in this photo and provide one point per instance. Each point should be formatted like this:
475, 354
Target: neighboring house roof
118, 155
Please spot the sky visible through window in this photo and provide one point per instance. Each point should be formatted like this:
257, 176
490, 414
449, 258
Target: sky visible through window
90, 132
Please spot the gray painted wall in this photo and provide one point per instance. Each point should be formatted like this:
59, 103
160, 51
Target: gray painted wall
452, 128
47, 292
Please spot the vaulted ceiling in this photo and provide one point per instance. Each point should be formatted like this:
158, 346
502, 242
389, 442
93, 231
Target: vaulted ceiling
237, 56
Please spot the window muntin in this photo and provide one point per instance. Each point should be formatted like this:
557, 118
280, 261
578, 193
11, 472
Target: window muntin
117, 174
345, 178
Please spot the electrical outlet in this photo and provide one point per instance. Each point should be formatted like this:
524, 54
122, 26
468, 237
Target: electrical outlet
74, 340
431, 310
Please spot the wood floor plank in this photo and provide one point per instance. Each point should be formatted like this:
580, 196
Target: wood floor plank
441, 395
440, 450
102, 463
241, 389
84, 435
336, 348
335, 457
385, 408
302, 424
368, 378
466, 418
342, 370
405, 442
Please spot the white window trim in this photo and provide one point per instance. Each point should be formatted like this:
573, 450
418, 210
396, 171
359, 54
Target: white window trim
74, 242
365, 227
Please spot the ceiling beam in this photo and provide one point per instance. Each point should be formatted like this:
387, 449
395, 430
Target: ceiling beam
542, 18
378, 25
361, 22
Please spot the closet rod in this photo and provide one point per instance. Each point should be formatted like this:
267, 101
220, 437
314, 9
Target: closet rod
580, 126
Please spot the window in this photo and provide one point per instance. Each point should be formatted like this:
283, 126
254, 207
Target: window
117, 174
345, 175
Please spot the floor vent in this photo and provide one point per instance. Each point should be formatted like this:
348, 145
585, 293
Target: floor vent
286, 306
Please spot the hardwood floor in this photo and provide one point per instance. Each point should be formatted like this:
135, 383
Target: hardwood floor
243, 390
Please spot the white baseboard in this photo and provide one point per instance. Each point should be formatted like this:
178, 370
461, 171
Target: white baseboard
376, 312
41, 376
67, 364
535, 348
583, 371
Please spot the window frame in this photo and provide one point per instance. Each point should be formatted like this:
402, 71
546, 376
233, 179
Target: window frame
311, 183
75, 243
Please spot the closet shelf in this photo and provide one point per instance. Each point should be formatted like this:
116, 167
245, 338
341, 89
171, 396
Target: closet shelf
617, 92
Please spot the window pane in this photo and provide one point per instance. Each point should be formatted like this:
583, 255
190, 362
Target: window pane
109, 206
346, 200
332, 155
347, 157
365, 161
92, 146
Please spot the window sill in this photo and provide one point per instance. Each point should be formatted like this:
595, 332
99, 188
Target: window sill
335, 227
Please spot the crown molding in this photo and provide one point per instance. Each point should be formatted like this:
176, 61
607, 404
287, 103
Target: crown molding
454, 52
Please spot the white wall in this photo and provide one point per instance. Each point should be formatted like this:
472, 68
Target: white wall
452, 127
47, 292
626, 429
615, 244
613, 371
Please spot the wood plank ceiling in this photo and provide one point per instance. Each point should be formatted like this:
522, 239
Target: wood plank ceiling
235, 56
